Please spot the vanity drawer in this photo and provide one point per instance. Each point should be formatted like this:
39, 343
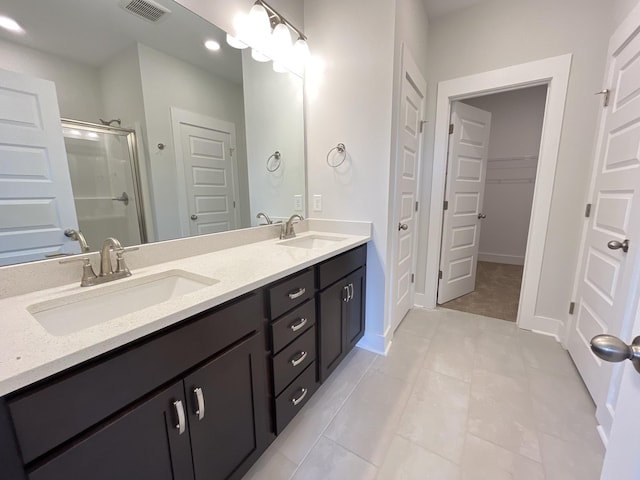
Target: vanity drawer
51, 413
340, 266
291, 361
291, 292
295, 396
292, 325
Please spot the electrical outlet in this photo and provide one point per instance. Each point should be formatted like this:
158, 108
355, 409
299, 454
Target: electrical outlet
317, 203
297, 203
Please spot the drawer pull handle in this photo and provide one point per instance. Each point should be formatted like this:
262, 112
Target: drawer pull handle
297, 294
345, 297
297, 361
180, 414
296, 401
199, 402
297, 326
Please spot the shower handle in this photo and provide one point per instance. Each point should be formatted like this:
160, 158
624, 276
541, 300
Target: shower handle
124, 198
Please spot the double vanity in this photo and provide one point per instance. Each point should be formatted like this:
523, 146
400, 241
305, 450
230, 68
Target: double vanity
187, 369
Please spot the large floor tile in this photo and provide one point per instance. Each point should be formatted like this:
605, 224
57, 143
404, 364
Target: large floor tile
270, 466
483, 460
408, 461
499, 354
436, 414
564, 460
541, 352
451, 354
329, 461
500, 411
455, 322
404, 358
420, 322
367, 421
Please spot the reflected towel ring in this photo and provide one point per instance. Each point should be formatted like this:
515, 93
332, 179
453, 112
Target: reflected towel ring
277, 155
340, 149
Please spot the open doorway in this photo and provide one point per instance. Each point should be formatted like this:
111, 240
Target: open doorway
489, 247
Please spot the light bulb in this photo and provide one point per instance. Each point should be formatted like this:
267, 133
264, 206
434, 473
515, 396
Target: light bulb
301, 51
212, 45
281, 42
10, 24
259, 56
258, 24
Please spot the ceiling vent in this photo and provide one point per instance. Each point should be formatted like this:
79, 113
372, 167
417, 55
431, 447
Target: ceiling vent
146, 9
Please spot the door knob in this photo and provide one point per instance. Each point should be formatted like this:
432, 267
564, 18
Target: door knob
481, 216
402, 226
616, 245
612, 349
194, 217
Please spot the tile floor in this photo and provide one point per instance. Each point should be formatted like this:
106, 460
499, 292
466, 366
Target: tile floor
459, 396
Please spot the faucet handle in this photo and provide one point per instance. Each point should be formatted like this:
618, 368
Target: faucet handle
121, 266
86, 260
88, 274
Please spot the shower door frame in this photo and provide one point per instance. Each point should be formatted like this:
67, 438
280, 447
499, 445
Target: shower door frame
132, 144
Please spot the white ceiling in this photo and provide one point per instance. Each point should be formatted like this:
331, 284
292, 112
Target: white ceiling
92, 31
437, 8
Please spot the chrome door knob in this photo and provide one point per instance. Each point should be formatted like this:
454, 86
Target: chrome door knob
616, 245
612, 349
194, 217
403, 226
481, 216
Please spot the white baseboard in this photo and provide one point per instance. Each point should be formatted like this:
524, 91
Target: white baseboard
500, 258
375, 343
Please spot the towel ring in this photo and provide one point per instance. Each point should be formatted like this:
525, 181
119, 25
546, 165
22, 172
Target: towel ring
340, 149
277, 155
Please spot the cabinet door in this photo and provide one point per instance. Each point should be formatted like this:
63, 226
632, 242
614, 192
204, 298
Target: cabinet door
142, 443
331, 327
354, 317
227, 411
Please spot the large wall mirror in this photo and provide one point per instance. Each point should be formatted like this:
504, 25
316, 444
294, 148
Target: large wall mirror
117, 125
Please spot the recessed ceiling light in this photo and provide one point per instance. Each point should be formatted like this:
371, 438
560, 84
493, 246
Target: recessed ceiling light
212, 45
10, 24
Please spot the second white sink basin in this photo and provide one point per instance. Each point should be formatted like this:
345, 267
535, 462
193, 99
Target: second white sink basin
76, 312
311, 241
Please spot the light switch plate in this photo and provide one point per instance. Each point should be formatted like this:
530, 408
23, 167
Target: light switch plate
297, 203
317, 203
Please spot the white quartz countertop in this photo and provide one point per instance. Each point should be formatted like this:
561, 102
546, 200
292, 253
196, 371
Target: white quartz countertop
29, 353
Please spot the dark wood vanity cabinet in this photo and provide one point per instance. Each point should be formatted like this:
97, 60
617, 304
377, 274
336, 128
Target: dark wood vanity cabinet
200, 400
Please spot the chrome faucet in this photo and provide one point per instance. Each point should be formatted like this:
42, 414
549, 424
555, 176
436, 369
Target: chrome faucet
287, 228
265, 216
107, 274
78, 237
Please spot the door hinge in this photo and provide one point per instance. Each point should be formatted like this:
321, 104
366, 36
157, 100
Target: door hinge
440, 274
417, 203
572, 307
445, 205
607, 94
234, 204
450, 128
422, 122
587, 211
231, 150
413, 278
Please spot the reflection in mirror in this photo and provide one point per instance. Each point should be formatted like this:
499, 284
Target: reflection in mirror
163, 138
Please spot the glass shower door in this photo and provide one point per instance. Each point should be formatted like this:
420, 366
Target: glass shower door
105, 181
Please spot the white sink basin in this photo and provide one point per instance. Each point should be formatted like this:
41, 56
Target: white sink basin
311, 241
72, 313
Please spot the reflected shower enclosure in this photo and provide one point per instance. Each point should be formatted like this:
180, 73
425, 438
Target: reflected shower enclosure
103, 165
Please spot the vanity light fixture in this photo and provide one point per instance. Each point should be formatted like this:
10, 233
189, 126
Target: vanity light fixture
10, 24
269, 35
212, 45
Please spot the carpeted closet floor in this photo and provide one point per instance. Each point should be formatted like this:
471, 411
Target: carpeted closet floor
497, 292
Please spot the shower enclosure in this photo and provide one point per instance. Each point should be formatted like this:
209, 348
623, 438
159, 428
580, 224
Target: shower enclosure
103, 164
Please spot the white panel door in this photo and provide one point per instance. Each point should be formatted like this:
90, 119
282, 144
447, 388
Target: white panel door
607, 278
414, 88
210, 186
466, 172
36, 200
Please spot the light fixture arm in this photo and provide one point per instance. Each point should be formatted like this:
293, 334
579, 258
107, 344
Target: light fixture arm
273, 13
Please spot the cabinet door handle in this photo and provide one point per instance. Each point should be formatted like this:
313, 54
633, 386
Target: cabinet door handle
180, 414
352, 295
345, 297
297, 361
200, 402
299, 293
297, 326
296, 401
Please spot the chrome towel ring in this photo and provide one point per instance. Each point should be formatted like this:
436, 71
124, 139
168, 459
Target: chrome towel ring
340, 149
276, 165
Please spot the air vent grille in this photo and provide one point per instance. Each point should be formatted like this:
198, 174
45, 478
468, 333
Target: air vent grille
147, 9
